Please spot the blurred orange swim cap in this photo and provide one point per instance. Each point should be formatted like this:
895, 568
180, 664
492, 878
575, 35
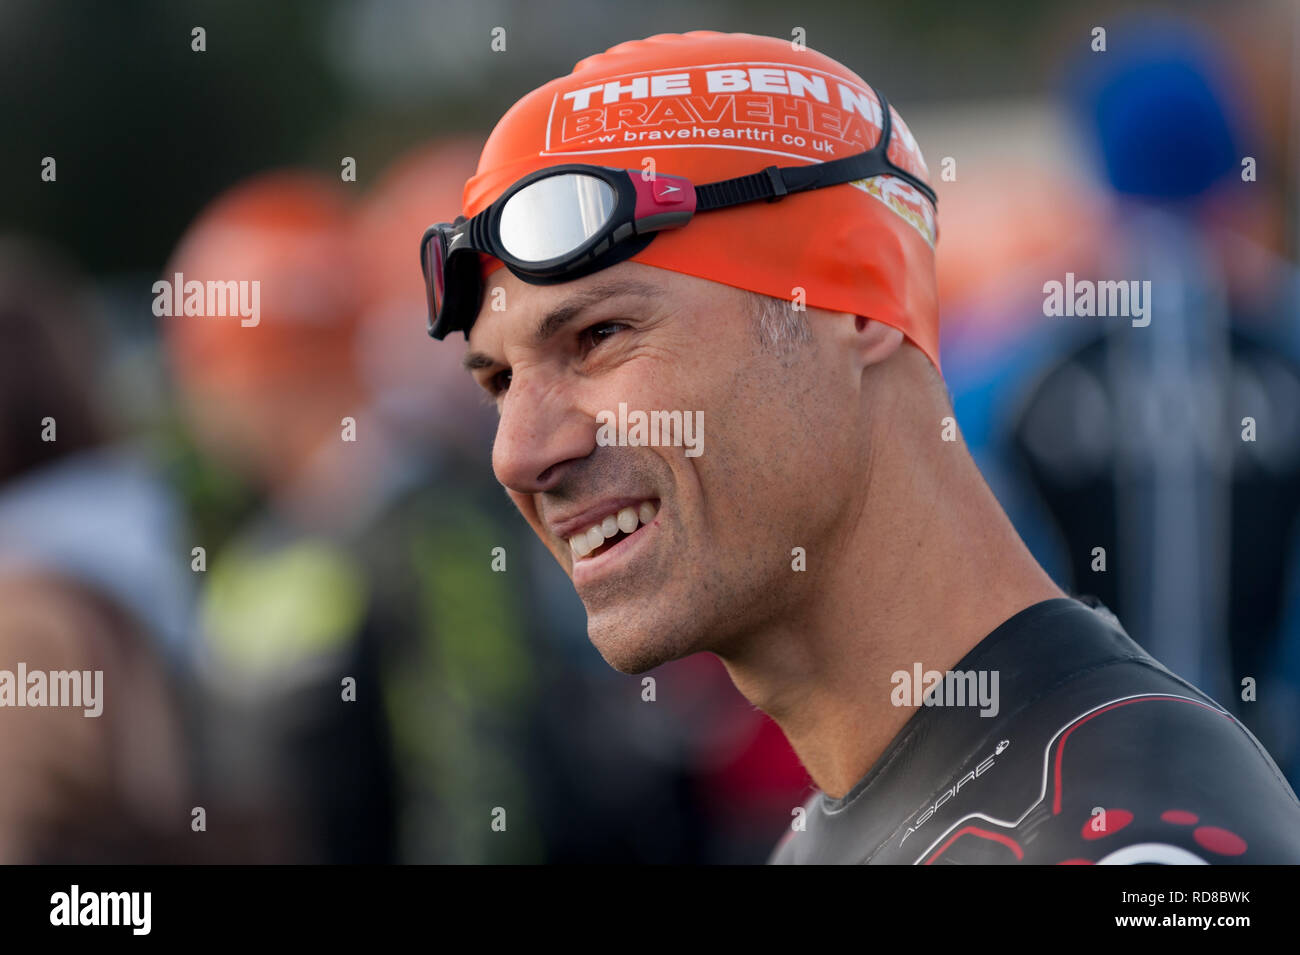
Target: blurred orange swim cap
288, 230
709, 106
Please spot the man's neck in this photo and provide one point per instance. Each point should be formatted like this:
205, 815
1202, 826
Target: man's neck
932, 567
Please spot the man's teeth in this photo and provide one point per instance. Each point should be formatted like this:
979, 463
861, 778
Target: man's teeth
626, 520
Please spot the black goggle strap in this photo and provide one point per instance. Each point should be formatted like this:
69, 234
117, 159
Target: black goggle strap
774, 182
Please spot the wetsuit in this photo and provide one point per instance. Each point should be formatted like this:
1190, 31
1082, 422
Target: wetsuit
1096, 754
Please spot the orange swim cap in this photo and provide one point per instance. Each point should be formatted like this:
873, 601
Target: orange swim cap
708, 106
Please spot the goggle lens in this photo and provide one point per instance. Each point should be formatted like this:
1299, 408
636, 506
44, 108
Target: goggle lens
555, 215
434, 256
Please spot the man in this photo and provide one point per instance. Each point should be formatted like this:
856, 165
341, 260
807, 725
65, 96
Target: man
827, 536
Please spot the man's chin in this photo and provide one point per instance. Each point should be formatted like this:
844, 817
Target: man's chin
633, 647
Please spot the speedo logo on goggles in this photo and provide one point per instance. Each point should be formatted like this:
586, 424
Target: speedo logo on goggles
563, 222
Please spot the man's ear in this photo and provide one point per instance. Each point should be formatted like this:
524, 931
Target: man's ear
869, 341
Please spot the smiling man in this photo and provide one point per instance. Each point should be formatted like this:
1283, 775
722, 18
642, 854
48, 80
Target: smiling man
739, 229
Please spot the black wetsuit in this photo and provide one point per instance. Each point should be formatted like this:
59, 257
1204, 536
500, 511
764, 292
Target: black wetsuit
1096, 754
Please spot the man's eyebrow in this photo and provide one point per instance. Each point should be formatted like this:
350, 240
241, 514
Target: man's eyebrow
561, 315
476, 360
570, 309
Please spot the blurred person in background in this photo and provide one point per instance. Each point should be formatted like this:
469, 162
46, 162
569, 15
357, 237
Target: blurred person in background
1130, 439
93, 577
302, 772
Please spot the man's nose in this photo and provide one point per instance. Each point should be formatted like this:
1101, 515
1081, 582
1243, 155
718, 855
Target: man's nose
541, 430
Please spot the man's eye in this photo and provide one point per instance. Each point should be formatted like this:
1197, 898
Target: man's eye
593, 335
499, 382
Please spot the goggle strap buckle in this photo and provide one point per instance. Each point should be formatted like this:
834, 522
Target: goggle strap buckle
779, 191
